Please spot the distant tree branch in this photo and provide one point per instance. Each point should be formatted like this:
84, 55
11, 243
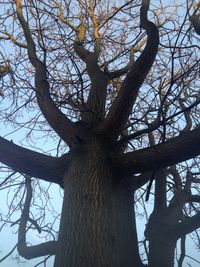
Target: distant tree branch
157, 123
48, 248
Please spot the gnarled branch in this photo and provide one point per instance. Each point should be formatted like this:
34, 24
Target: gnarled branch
123, 103
95, 104
58, 121
48, 248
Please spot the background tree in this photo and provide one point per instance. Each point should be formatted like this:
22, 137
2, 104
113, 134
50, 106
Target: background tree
107, 96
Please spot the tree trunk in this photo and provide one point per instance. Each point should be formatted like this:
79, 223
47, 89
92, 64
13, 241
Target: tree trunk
96, 227
162, 243
161, 251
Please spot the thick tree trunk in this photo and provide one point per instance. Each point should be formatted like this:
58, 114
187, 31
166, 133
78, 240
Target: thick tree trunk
97, 227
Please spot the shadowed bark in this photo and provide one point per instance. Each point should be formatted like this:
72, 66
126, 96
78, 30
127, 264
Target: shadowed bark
176, 150
32, 163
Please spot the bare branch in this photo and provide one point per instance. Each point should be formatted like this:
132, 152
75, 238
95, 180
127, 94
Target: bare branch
30, 162
120, 72
123, 103
189, 225
161, 155
182, 256
58, 121
48, 248
96, 33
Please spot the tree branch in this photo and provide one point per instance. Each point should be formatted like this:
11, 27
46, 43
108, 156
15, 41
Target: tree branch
32, 163
173, 151
95, 105
194, 198
58, 121
182, 255
118, 73
122, 71
82, 52
48, 248
189, 225
123, 103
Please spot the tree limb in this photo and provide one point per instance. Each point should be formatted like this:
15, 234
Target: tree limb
173, 151
182, 255
48, 248
194, 198
96, 100
58, 121
189, 225
123, 103
31, 163
120, 72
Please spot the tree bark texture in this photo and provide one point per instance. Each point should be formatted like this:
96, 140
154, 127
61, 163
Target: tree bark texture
97, 227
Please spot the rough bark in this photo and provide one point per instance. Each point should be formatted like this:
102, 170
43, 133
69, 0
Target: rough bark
97, 227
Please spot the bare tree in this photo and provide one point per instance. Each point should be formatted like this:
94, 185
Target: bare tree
113, 91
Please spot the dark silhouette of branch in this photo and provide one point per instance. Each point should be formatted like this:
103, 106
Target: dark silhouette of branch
182, 256
159, 156
123, 103
31, 163
48, 248
58, 121
194, 198
118, 73
189, 225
